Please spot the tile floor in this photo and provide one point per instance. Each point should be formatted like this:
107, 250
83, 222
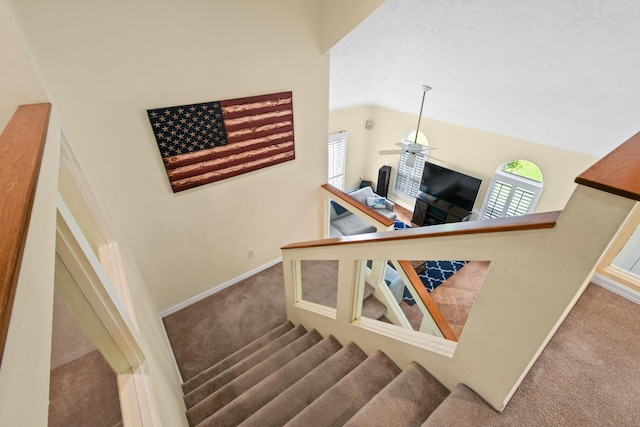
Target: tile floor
456, 295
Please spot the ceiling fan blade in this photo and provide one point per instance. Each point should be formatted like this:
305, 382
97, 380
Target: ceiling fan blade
385, 152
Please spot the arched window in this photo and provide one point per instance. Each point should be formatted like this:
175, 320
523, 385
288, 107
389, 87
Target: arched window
515, 189
410, 165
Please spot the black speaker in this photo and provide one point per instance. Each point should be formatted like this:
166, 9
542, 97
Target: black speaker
384, 175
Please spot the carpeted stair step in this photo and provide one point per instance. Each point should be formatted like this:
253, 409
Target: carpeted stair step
462, 400
260, 394
213, 402
408, 400
290, 402
242, 366
372, 308
342, 401
368, 290
234, 358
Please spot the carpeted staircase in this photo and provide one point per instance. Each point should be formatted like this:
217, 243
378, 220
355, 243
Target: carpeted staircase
295, 377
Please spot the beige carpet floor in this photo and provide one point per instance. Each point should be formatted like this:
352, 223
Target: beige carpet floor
211, 329
588, 375
84, 392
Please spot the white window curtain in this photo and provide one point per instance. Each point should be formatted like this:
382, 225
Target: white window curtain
510, 195
408, 176
337, 159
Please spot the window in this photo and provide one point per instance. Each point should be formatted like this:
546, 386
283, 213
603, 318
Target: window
410, 166
337, 159
514, 190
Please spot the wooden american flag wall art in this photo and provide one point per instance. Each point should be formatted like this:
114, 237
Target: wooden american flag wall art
211, 141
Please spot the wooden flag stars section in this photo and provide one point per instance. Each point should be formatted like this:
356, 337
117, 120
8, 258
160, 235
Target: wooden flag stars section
208, 142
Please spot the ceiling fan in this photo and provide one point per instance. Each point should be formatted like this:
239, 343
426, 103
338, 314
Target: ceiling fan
413, 148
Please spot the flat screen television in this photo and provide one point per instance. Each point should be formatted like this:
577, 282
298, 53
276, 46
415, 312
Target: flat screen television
450, 186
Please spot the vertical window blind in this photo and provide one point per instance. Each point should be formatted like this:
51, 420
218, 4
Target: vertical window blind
337, 159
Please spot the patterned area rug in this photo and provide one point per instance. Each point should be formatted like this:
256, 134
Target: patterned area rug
399, 225
432, 274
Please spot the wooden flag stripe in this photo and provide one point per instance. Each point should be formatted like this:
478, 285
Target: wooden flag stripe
256, 120
233, 111
261, 130
252, 99
228, 161
238, 137
185, 184
226, 150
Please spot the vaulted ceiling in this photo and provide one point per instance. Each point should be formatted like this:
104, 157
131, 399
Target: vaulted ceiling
564, 73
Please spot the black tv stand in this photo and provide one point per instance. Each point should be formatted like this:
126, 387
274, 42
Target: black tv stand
430, 210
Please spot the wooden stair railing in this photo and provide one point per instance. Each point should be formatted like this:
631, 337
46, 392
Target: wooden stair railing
617, 172
524, 222
433, 309
516, 223
21, 149
374, 214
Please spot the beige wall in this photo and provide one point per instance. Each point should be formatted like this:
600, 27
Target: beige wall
104, 65
18, 82
162, 371
358, 153
470, 151
341, 16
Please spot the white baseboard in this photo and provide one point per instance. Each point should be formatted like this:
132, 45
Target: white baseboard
173, 355
616, 288
219, 288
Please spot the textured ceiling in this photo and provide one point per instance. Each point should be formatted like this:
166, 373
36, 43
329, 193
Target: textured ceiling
564, 73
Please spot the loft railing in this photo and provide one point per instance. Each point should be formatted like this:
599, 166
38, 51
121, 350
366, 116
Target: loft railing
365, 212
21, 148
539, 266
433, 321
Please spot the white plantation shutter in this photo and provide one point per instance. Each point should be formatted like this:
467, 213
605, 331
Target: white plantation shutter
510, 195
498, 197
408, 178
520, 202
337, 159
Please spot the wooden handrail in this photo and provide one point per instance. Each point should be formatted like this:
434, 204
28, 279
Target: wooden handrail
21, 149
617, 172
524, 222
435, 312
387, 222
